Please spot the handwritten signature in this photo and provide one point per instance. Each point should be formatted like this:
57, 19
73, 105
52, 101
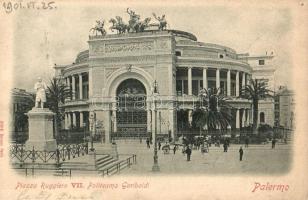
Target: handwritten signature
44, 195
10, 6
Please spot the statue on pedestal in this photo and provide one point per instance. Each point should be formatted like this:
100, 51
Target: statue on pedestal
40, 122
40, 88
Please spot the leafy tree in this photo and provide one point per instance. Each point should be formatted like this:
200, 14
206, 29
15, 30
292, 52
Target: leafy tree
255, 91
57, 92
213, 111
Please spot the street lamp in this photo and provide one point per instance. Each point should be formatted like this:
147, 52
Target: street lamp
155, 167
84, 132
92, 128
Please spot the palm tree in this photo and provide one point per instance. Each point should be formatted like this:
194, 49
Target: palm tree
255, 91
57, 92
213, 111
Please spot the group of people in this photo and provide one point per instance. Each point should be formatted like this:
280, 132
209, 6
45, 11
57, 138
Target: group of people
204, 144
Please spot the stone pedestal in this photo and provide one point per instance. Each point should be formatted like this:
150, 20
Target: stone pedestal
41, 130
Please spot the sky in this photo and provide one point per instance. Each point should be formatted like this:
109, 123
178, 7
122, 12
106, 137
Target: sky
43, 38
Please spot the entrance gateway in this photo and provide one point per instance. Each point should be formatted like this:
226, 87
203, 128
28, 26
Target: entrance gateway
131, 114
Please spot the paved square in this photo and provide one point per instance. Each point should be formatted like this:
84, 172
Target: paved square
257, 159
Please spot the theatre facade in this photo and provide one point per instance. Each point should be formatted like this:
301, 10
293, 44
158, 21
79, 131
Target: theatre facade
113, 83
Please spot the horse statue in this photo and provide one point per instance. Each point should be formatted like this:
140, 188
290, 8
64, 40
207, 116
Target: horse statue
133, 21
118, 24
99, 27
141, 26
162, 22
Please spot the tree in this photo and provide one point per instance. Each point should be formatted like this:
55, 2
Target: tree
213, 111
255, 91
57, 92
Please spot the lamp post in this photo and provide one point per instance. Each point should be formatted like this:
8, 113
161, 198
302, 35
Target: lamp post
84, 132
155, 167
92, 128
113, 121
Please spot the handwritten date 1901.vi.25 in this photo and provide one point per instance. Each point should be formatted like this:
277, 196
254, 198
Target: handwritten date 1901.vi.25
9, 6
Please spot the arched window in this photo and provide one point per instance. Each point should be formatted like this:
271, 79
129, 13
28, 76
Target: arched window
262, 117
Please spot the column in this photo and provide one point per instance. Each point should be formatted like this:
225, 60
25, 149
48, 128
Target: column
237, 119
149, 120
80, 86
244, 118
68, 84
90, 82
237, 88
205, 78
251, 114
81, 118
190, 117
68, 81
243, 80
69, 121
66, 120
229, 82
73, 87
74, 119
247, 117
189, 81
217, 78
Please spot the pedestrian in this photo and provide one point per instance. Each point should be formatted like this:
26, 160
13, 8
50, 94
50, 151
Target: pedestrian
273, 143
228, 142
241, 153
159, 145
188, 152
174, 149
225, 147
148, 142
246, 142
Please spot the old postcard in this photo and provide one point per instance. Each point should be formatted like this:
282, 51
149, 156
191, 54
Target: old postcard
153, 100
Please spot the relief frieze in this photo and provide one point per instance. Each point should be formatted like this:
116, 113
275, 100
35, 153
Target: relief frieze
129, 47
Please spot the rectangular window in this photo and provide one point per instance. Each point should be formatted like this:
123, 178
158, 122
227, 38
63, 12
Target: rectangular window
211, 84
233, 88
223, 89
261, 62
200, 85
179, 88
185, 83
195, 87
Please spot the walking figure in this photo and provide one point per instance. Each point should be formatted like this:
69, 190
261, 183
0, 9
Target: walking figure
159, 145
188, 152
174, 149
225, 147
241, 153
246, 142
148, 142
273, 143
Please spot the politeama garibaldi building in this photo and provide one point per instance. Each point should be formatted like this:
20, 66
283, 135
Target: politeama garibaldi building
118, 80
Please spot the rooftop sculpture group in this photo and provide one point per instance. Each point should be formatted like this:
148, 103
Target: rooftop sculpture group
135, 24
